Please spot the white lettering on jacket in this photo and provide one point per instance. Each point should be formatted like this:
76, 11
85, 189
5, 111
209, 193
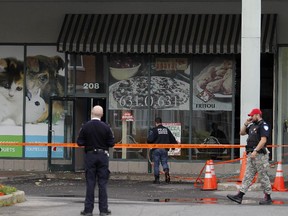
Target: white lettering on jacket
162, 131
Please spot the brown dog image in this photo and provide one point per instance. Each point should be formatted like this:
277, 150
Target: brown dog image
43, 73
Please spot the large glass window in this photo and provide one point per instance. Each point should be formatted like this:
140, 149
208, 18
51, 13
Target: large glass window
129, 102
45, 77
27, 85
213, 92
192, 95
170, 98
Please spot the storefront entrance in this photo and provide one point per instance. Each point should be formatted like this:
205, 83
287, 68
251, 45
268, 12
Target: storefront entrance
82, 115
76, 112
61, 131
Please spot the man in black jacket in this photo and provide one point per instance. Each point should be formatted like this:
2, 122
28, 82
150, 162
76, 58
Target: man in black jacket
97, 137
160, 135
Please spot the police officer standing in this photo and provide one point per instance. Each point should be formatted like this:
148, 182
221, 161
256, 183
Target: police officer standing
160, 135
257, 158
97, 137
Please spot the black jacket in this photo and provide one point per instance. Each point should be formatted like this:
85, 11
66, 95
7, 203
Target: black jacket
161, 134
96, 134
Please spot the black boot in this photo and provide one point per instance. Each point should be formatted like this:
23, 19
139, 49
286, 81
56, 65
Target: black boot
266, 201
156, 181
236, 198
167, 175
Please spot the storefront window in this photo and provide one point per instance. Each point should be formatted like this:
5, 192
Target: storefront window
211, 128
128, 102
45, 77
30, 90
11, 100
86, 74
193, 96
170, 98
178, 122
129, 127
213, 91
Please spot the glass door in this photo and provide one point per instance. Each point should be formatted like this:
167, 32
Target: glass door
61, 133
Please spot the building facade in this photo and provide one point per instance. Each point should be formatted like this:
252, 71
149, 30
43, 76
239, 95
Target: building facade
180, 60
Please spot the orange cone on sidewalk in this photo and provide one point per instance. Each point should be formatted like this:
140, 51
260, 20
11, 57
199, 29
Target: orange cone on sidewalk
208, 181
279, 179
214, 178
243, 167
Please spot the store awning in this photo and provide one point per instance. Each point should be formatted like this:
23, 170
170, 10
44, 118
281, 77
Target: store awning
160, 33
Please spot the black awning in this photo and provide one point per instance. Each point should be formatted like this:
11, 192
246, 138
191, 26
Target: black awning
159, 33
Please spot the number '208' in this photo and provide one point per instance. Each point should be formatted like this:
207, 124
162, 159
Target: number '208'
91, 86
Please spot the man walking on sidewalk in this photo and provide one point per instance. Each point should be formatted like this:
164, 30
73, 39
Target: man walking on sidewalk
257, 158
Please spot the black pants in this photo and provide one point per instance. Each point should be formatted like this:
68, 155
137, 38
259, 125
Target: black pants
96, 169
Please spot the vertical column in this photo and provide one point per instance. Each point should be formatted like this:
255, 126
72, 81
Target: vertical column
250, 59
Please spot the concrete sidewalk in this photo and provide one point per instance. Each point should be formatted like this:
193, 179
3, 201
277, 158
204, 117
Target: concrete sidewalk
8, 176
19, 196
54, 206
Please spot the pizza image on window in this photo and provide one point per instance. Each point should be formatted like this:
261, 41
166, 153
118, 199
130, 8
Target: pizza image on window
165, 92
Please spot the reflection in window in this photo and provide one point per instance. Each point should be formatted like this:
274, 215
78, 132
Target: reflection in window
129, 126
211, 128
75, 61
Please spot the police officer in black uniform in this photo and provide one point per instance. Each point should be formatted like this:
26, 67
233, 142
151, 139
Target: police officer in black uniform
160, 134
257, 159
97, 137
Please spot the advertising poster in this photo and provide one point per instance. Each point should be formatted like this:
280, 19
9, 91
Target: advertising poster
213, 85
175, 129
167, 88
45, 77
11, 99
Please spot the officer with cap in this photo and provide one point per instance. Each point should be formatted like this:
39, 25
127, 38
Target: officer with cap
97, 137
257, 158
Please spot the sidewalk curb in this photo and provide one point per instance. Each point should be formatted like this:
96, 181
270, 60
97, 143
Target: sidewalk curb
19, 177
10, 199
235, 186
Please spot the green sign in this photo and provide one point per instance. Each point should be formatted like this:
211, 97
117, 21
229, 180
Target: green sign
10, 151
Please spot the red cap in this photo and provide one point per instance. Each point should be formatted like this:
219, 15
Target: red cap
254, 112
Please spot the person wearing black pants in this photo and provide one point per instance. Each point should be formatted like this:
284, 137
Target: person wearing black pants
96, 137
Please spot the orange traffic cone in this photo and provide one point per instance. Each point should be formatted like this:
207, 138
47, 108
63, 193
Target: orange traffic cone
208, 182
243, 167
279, 179
214, 178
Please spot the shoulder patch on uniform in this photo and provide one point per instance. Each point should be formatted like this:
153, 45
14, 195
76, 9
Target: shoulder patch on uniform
266, 127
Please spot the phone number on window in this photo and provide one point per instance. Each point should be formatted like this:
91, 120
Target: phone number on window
146, 101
